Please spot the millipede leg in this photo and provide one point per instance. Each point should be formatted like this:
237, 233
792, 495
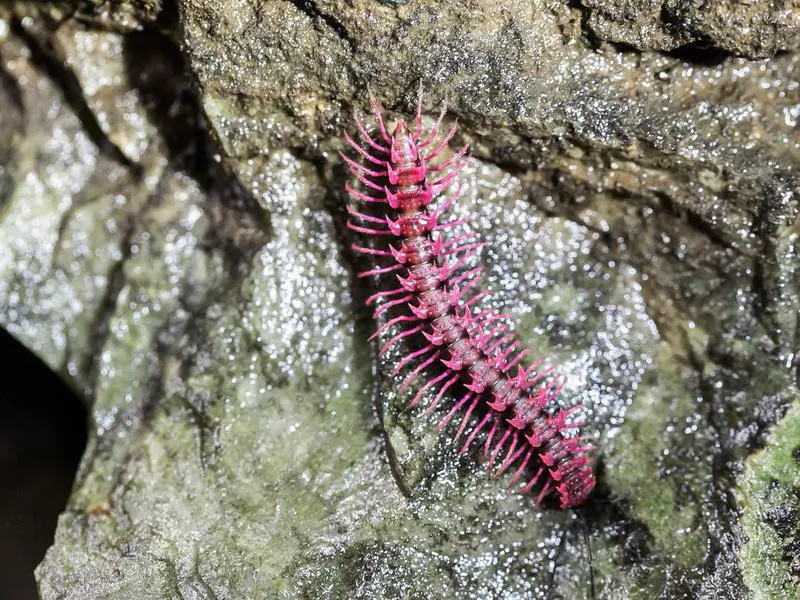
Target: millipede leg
425, 387
376, 110
489, 439
498, 448
408, 358
454, 410
421, 367
418, 118
474, 433
388, 324
384, 307
545, 489
465, 420
511, 457
400, 336
447, 384
532, 482
521, 468
368, 138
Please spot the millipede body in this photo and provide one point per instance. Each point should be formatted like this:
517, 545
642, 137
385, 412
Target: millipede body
467, 354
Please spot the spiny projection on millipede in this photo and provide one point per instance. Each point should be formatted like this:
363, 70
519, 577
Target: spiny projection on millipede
464, 352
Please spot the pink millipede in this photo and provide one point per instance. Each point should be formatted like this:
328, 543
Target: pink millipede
435, 308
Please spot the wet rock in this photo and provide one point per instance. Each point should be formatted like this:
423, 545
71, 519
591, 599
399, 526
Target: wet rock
770, 496
751, 28
122, 16
172, 243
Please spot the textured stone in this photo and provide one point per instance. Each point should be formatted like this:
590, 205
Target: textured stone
770, 496
742, 27
122, 16
171, 243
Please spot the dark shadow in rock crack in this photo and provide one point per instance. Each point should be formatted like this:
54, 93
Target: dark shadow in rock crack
336, 202
10, 88
12, 123
378, 405
239, 227
586, 31
310, 8
45, 58
158, 71
42, 436
699, 54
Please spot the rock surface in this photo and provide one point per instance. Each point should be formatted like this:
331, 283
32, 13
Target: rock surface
771, 517
743, 27
171, 242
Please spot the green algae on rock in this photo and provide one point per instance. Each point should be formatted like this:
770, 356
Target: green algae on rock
770, 496
171, 243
